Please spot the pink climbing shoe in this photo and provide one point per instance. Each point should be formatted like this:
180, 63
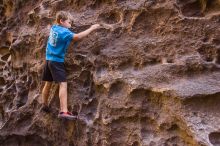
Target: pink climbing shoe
67, 115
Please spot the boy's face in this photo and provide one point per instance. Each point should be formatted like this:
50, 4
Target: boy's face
66, 23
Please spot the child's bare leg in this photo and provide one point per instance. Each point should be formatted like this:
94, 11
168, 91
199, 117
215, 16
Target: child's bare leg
63, 96
45, 92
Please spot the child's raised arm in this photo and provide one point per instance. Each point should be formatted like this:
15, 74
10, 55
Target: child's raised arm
83, 34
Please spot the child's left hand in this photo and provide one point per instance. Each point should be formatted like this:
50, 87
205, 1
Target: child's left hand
95, 26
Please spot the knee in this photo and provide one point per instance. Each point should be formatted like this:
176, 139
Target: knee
63, 85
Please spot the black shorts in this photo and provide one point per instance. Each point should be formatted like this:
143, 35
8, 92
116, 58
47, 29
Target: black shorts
54, 71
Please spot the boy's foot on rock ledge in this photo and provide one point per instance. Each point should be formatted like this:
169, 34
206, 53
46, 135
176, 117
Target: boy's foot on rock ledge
67, 115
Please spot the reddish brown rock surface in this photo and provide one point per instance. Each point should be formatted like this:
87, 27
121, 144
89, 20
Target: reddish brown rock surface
153, 80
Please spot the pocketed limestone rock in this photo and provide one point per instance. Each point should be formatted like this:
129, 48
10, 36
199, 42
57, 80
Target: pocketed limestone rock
149, 76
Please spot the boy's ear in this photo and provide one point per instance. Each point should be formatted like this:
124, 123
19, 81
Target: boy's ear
61, 21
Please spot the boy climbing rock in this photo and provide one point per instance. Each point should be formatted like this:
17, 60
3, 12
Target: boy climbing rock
54, 69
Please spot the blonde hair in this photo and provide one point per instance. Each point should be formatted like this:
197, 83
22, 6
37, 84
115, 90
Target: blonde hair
62, 15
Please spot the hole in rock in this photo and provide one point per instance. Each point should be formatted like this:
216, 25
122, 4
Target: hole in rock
145, 23
125, 64
138, 93
99, 3
5, 57
30, 140
2, 81
218, 56
110, 17
214, 138
4, 50
198, 8
190, 8
207, 52
135, 143
85, 76
118, 89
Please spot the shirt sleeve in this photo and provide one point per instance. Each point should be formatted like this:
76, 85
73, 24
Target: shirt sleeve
69, 36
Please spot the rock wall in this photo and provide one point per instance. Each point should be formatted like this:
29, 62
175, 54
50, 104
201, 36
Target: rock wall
153, 80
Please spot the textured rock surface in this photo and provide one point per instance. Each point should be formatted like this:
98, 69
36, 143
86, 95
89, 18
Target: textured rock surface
153, 80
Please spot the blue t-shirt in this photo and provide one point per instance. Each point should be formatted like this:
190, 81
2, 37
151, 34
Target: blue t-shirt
58, 42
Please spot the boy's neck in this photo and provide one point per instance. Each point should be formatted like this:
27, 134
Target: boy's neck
59, 24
